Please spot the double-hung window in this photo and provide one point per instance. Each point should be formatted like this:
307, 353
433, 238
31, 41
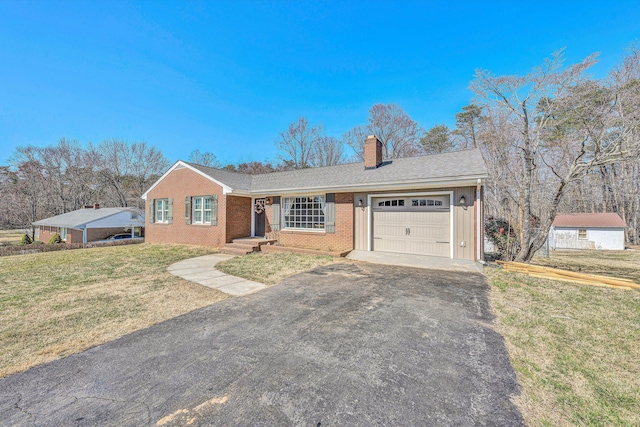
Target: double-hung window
306, 213
201, 210
63, 233
162, 210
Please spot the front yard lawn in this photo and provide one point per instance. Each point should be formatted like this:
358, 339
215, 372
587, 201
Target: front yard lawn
273, 267
625, 264
575, 348
58, 303
12, 237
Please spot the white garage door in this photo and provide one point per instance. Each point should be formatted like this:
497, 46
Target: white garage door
415, 225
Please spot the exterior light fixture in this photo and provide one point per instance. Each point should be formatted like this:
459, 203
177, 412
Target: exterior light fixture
360, 203
463, 200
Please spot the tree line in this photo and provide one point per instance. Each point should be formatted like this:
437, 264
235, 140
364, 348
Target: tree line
554, 140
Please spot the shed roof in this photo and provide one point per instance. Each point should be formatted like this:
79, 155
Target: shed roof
600, 220
81, 218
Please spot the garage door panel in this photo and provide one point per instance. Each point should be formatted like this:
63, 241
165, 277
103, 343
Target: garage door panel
428, 218
408, 230
426, 232
389, 245
389, 230
425, 247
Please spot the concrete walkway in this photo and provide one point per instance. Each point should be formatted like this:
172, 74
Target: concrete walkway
418, 261
202, 270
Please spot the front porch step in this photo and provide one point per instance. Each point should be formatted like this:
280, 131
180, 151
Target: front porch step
253, 241
245, 246
227, 249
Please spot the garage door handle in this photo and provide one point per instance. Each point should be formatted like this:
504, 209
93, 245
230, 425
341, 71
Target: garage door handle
441, 242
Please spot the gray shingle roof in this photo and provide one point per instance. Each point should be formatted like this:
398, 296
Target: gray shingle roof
437, 167
81, 217
235, 180
421, 169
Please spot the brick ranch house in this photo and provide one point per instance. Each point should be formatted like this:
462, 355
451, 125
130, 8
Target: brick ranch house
90, 224
427, 205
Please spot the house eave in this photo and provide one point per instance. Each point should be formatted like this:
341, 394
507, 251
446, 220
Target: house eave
399, 185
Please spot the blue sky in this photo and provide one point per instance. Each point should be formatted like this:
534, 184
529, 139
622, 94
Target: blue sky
227, 77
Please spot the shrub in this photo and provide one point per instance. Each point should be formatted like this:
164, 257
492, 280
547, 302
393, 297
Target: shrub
26, 240
55, 239
502, 235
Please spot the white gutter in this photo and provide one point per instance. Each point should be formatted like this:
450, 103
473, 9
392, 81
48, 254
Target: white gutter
398, 185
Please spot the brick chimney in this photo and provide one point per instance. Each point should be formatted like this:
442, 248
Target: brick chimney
96, 206
372, 152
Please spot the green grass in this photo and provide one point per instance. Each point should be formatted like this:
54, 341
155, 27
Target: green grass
575, 348
57, 303
271, 268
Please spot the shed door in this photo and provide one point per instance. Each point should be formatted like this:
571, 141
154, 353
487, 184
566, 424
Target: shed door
414, 225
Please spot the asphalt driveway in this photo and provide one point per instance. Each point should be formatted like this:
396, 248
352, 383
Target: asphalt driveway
345, 344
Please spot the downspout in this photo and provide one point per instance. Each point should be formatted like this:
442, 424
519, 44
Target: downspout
480, 231
84, 236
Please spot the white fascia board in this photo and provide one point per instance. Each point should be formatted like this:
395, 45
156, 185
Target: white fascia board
225, 188
360, 188
239, 193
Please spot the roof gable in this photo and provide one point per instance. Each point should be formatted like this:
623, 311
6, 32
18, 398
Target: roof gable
201, 170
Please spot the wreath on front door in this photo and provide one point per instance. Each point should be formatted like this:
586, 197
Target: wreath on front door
258, 207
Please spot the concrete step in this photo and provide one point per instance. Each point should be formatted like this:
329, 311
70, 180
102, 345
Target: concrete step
236, 251
253, 241
248, 246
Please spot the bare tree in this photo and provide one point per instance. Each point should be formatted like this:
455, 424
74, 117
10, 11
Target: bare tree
399, 134
28, 184
204, 159
127, 169
559, 127
298, 142
327, 151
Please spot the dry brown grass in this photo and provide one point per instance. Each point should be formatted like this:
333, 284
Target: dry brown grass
11, 236
574, 348
59, 303
625, 264
271, 268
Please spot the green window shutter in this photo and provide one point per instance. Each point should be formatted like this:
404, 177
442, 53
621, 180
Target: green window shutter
187, 210
275, 208
170, 211
152, 211
214, 209
330, 213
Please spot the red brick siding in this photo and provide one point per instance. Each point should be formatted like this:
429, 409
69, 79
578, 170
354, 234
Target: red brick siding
238, 217
178, 185
372, 152
341, 240
46, 233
